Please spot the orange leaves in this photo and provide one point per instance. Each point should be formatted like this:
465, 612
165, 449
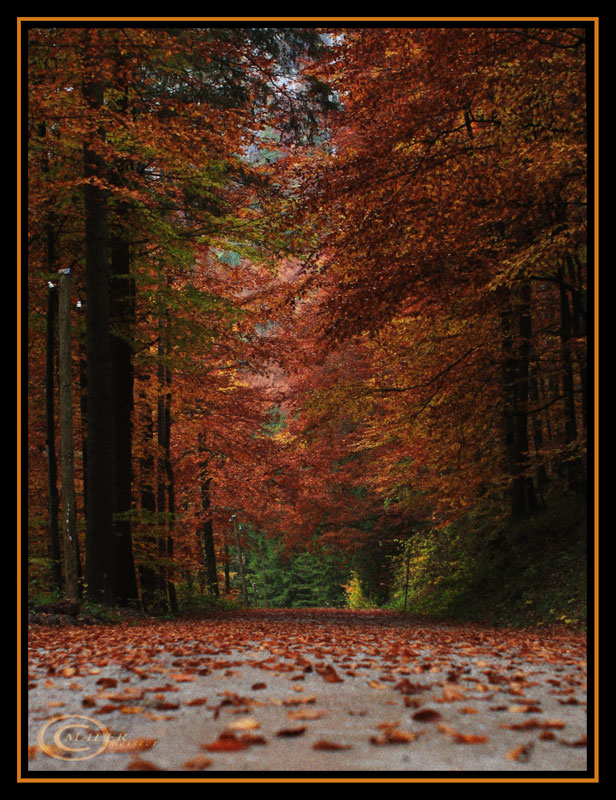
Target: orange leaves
326, 744
393, 735
329, 674
377, 708
229, 742
182, 677
462, 738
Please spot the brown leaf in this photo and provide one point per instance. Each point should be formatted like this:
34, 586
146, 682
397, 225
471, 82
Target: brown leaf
395, 736
426, 715
298, 730
581, 742
182, 677
330, 675
226, 742
141, 764
452, 692
535, 723
308, 713
196, 701
107, 683
463, 738
199, 762
324, 744
521, 753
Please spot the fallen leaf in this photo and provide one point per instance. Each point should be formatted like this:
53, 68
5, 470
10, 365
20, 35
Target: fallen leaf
462, 738
535, 723
226, 742
289, 732
140, 764
308, 713
395, 736
244, 724
330, 675
452, 692
182, 677
426, 715
199, 762
581, 742
324, 744
521, 753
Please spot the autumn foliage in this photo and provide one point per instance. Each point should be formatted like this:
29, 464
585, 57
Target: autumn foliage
332, 281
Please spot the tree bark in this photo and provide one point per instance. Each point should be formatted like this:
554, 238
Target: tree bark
71, 555
516, 330
99, 530
573, 463
207, 535
166, 488
152, 588
50, 423
122, 309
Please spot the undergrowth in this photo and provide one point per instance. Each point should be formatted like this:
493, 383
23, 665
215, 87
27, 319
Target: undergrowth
532, 572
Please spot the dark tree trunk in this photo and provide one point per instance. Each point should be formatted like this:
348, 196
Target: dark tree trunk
516, 330
533, 393
122, 309
152, 588
50, 422
207, 529
573, 465
69, 516
166, 488
99, 530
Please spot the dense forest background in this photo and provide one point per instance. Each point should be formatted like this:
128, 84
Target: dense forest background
307, 317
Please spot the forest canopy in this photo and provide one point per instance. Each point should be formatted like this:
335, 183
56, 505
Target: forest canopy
299, 300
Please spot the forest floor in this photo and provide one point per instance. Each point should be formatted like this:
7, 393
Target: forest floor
304, 692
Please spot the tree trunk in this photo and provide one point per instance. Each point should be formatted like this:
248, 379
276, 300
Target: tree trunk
240, 558
516, 332
71, 555
207, 535
166, 489
152, 588
573, 462
122, 309
99, 531
50, 423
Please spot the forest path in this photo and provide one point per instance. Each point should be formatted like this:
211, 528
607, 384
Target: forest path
303, 691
